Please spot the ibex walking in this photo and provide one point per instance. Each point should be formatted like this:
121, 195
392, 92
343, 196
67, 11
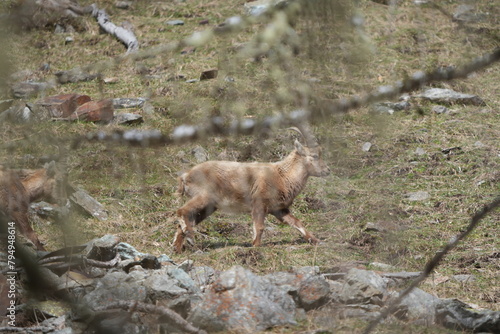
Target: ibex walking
256, 188
18, 188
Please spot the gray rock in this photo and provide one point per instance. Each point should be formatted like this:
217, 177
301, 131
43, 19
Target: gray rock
127, 251
200, 154
454, 314
313, 292
163, 258
115, 286
18, 113
74, 75
464, 278
420, 151
440, 110
202, 275
184, 280
288, 282
448, 96
467, 13
125, 118
479, 144
366, 147
175, 23
160, 286
390, 107
102, 249
28, 89
259, 7
243, 302
373, 227
417, 196
381, 266
363, 287
123, 4
59, 29
82, 200
186, 265
128, 102
418, 306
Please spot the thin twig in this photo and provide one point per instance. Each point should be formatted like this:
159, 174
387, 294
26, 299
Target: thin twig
176, 319
433, 263
216, 127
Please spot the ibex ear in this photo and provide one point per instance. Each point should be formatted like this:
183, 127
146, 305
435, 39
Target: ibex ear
51, 168
300, 149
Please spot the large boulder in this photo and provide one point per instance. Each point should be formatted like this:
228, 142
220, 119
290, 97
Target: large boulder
243, 302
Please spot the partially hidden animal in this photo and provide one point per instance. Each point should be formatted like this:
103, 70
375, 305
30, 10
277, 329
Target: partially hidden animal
20, 187
256, 188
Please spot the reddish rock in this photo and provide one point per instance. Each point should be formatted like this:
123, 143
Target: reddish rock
94, 111
62, 106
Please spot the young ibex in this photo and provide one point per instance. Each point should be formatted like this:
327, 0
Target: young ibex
18, 188
256, 188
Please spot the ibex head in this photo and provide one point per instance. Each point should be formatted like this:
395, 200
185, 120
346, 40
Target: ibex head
311, 152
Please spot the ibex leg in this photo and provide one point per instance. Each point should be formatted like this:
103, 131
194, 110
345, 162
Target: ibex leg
285, 216
191, 213
258, 217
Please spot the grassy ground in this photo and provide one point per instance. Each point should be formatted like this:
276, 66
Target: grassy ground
137, 185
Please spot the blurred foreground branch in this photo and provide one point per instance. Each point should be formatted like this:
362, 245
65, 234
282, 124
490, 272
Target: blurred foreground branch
216, 126
433, 263
162, 311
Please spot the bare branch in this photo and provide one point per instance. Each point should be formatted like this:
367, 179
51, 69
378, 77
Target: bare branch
433, 263
175, 318
126, 36
215, 126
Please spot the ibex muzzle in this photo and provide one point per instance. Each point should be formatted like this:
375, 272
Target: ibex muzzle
256, 188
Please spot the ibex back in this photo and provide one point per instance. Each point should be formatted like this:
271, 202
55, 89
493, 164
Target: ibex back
18, 188
256, 188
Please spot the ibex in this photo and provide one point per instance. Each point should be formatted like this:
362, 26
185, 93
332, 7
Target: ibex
18, 188
256, 188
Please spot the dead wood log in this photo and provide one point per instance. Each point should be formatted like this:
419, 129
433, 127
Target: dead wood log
126, 36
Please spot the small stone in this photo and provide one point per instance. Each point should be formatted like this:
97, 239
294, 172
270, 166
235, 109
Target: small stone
440, 110
28, 89
417, 196
59, 29
68, 40
175, 22
448, 96
128, 102
372, 227
123, 4
110, 80
381, 266
479, 144
128, 119
200, 154
464, 278
420, 151
210, 74
366, 147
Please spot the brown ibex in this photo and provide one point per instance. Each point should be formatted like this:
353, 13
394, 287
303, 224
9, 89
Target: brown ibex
18, 188
256, 188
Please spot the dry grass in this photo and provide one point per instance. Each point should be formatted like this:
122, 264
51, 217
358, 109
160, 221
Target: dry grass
137, 185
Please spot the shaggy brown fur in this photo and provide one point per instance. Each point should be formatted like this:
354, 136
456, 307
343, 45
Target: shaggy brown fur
18, 188
256, 188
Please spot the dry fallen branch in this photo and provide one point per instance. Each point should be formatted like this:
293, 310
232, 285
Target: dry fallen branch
433, 263
216, 126
127, 37
175, 318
